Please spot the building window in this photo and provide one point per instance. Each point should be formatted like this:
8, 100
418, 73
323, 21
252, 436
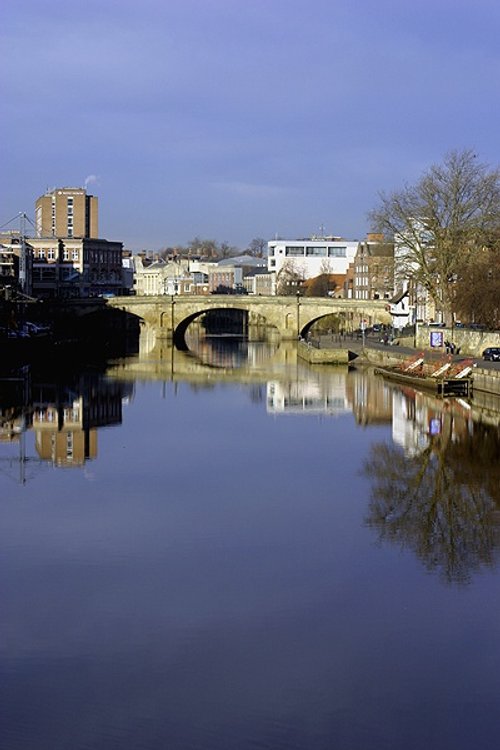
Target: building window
74, 255
294, 251
337, 252
317, 252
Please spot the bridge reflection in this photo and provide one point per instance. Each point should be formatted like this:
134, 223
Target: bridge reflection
64, 413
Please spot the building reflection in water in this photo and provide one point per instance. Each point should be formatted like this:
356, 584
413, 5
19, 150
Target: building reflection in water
63, 416
370, 400
419, 417
61, 436
315, 396
333, 391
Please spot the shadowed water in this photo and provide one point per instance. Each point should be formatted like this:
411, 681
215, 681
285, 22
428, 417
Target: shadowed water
235, 550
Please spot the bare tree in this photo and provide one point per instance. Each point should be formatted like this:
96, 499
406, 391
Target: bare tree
289, 279
204, 248
257, 247
448, 216
225, 250
477, 288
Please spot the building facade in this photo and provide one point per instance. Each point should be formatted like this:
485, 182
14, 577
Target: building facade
260, 284
374, 269
67, 212
10, 249
159, 276
227, 278
308, 258
73, 267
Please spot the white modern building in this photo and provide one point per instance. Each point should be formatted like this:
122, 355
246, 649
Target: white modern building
311, 257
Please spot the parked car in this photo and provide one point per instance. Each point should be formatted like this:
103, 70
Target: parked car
492, 354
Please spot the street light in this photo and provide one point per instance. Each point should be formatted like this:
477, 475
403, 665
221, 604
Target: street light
298, 312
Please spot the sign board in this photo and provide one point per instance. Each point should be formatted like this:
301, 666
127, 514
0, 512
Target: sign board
435, 426
436, 339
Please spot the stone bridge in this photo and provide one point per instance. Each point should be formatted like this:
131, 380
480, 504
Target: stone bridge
170, 316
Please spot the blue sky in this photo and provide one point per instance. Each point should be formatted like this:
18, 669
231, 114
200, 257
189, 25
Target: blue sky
235, 119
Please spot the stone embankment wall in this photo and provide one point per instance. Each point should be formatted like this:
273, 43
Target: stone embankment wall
328, 356
471, 343
487, 380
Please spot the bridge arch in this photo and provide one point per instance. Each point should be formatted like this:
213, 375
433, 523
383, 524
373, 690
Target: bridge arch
179, 328
342, 319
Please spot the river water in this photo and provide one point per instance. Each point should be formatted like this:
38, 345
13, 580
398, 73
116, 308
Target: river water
234, 551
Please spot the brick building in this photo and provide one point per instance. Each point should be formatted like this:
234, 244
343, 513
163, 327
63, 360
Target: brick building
67, 212
374, 269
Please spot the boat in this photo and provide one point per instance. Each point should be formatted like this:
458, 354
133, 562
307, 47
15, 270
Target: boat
445, 378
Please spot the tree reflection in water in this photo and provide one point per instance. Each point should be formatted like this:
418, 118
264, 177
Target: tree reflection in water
443, 502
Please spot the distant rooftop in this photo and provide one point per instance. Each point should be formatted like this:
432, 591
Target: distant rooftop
313, 238
243, 260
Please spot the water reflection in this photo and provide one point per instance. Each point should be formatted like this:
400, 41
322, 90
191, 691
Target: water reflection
319, 395
436, 489
209, 581
229, 352
63, 415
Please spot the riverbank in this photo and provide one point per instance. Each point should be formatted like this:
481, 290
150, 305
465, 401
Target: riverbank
486, 379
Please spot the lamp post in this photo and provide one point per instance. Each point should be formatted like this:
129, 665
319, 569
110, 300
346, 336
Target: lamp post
172, 303
298, 313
